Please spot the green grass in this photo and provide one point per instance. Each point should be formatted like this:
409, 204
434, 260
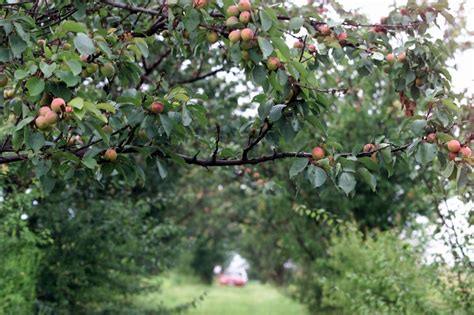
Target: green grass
253, 299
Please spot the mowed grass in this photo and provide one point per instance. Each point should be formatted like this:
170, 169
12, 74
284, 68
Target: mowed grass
253, 299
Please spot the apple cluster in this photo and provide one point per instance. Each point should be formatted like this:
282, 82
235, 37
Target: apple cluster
238, 18
455, 148
49, 115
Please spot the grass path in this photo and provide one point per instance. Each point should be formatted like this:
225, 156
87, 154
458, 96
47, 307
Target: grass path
253, 299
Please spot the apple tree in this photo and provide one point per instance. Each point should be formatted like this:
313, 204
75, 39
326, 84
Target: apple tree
107, 88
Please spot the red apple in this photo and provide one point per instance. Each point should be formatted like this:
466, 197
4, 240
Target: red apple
244, 5
199, 4
110, 154
402, 57
157, 108
57, 104
44, 110
369, 147
454, 146
51, 117
245, 17
317, 153
233, 10
452, 156
312, 48
390, 58
247, 34
41, 123
431, 138
325, 30
273, 63
234, 36
466, 152
298, 44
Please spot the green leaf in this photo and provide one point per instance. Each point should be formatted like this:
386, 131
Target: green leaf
347, 182
84, 44
35, 86
275, 112
161, 169
264, 110
35, 141
449, 169
67, 77
296, 23
298, 166
24, 122
282, 47
107, 107
266, 20
418, 127
450, 104
167, 124
76, 102
426, 153
75, 27
317, 176
75, 66
265, 46
368, 178
47, 69
89, 162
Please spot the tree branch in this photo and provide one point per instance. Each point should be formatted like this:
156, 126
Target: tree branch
201, 77
131, 8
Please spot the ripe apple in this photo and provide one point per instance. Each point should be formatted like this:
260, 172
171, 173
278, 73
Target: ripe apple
390, 58
110, 154
273, 63
312, 48
41, 123
342, 37
157, 108
234, 36
51, 117
233, 10
453, 146
325, 30
298, 44
452, 156
402, 57
245, 17
369, 147
317, 153
232, 22
107, 70
3, 80
69, 109
466, 152
244, 5
199, 4
247, 34
419, 82
57, 104
212, 37
431, 138
84, 58
44, 110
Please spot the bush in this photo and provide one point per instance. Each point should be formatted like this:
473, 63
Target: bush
376, 274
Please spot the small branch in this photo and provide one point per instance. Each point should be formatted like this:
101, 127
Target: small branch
304, 47
201, 77
218, 136
131, 8
262, 133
